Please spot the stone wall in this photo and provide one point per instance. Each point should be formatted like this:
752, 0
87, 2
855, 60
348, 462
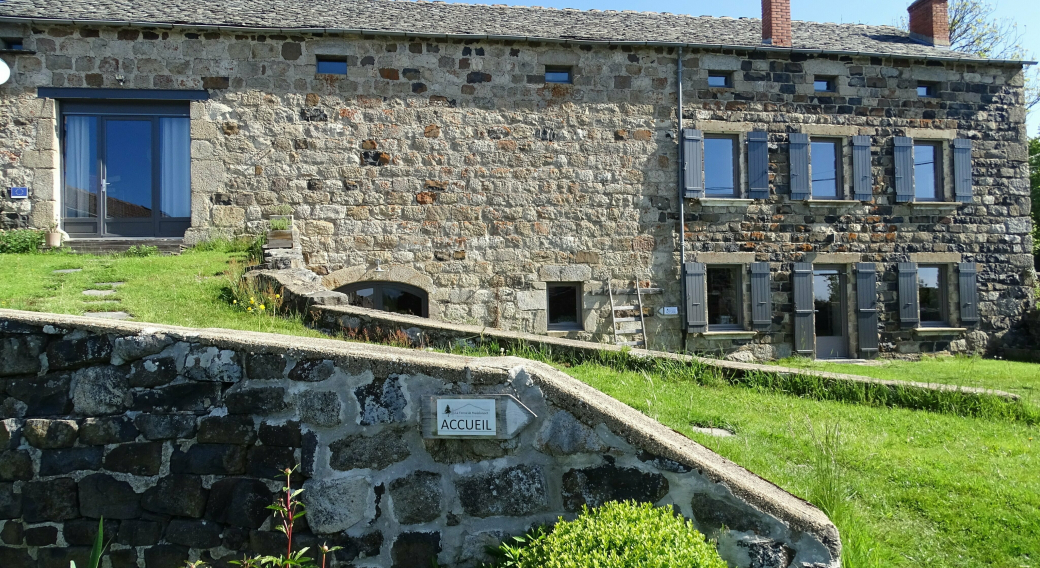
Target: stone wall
175, 435
452, 159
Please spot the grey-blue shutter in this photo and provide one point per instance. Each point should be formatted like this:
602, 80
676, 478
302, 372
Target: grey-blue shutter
800, 181
969, 292
693, 163
866, 308
696, 297
758, 164
803, 307
862, 180
904, 158
761, 296
909, 315
962, 170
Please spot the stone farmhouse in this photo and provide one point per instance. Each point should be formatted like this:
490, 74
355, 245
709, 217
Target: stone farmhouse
826, 190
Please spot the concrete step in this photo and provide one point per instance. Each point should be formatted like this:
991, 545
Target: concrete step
112, 246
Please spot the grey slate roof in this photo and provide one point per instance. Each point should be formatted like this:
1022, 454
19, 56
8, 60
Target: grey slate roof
433, 18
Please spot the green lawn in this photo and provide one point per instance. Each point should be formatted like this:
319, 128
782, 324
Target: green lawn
1022, 379
189, 290
926, 489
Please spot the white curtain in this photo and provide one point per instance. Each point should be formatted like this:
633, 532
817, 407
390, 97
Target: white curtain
175, 164
81, 176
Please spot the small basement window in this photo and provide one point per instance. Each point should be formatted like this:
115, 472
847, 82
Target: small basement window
825, 84
388, 296
724, 303
564, 305
331, 66
13, 43
926, 89
720, 79
931, 296
558, 74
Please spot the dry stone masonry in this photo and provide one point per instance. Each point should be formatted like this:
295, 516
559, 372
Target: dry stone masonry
449, 163
176, 436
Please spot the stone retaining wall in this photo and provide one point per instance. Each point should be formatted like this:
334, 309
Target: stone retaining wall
174, 435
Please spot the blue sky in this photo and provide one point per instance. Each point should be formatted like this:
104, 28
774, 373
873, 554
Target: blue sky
879, 12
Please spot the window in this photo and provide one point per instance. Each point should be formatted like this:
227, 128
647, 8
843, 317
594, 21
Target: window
927, 171
720, 166
825, 161
557, 74
331, 66
564, 303
825, 84
931, 295
13, 43
724, 297
388, 296
926, 89
720, 79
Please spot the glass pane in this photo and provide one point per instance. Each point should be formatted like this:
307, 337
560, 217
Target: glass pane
400, 302
824, 158
823, 85
827, 302
563, 305
326, 67
175, 167
929, 294
718, 167
925, 187
363, 298
128, 168
557, 76
718, 80
82, 177
923, 91
723, 296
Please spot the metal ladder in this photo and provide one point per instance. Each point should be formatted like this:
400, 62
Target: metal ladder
621, 321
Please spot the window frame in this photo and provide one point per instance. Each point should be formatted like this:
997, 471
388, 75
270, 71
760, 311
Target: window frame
944, 296
831, 82
378, 285
726, 76
838, 142
738, 270
319, 59
737, 184
939, 170
13, 43
578, 324
568, 69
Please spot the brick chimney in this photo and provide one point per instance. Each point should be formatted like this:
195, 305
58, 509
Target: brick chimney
929, 22
776, 22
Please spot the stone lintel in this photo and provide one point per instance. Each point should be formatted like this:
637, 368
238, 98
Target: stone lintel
935, 257
724, 202
724, 257
834, 258
940, 330
833, 130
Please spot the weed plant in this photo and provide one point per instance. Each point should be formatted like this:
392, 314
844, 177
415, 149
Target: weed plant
20, 241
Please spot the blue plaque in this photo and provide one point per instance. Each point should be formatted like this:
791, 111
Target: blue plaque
19, 193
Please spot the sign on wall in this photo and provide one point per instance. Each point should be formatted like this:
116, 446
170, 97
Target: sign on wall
498, 416
19, 193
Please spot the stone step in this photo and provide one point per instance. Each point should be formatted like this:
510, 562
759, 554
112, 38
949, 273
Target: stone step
112, 246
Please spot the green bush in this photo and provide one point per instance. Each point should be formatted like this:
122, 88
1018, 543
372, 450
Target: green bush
20, 241
279, 224
616, 535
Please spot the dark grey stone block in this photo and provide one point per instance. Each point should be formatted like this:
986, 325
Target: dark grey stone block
75, 353
319, 408
50, 434
17, 558
135, 532
53, 500
15, 465
712, 513
166, 426
182, 397
10, 502
227, 430
107, 430
415, 549
209, 459
287, 434
194, 533
82, 532
372, 452
594, 486
101, 495
259, 401
21, 354
514, 491
62, 557
381, 401
240, 502
416, 497
43, 396
152, 372
165, 556
312, 370
179, 495
137, 458
60, 462
268, 462
265, 366
41, 536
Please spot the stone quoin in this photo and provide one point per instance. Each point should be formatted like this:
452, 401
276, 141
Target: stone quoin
833, 191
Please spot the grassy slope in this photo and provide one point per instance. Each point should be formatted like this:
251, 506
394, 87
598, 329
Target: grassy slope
178, 290
1020, 378
930, 489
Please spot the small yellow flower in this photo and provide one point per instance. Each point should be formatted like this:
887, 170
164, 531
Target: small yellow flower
262, 308
277, 296
249, 309
234, 301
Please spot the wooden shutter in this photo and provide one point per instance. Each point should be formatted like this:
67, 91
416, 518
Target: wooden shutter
803, 308
799, 148
909, 315
866, 308
758, 164
761, 295
693, 163
904, 158
696, 297
862, 180
962, 170
969, 292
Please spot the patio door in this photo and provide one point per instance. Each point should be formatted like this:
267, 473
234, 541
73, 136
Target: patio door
829, 311
127, 170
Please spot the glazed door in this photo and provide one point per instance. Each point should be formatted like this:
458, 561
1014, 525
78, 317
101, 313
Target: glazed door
830, 314
126, 174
